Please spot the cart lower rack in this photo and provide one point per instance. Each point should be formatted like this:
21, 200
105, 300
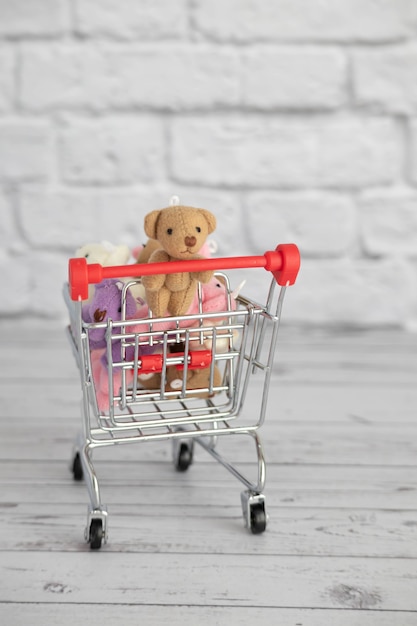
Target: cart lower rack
181, 378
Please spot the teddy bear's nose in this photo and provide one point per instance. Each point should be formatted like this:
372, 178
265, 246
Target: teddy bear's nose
99, 315
190, 241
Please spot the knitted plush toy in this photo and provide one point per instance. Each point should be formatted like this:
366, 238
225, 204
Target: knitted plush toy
214, 298
181, 231
143, 252
106, 254
196, 379
107, 304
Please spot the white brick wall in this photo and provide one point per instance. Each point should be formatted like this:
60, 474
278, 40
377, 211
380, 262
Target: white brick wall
292, 120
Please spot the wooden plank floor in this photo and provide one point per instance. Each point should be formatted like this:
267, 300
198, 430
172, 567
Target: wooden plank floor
341, 544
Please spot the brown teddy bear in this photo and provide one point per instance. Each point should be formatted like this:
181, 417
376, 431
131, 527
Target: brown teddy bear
196, 379
181, 232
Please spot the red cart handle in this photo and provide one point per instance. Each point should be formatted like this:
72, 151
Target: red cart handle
283, 263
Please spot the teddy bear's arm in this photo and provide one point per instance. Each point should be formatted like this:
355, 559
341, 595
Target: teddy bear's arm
203, 277
155, 281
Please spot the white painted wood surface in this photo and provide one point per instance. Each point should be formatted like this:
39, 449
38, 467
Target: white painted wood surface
341, 545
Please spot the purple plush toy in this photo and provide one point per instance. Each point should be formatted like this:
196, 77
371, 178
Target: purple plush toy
107, 304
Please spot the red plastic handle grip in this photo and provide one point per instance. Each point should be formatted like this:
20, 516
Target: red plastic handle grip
283, 263
151, 364
154, 363
197, 359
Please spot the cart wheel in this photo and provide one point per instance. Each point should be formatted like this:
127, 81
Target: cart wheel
77, 468
257, 518
96, 534
184, 456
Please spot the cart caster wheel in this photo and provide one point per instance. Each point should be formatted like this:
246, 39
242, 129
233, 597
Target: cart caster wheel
254, 511
96, 534
77, 468
257, 519
184, 456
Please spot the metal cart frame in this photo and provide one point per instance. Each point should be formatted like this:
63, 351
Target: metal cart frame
247, 333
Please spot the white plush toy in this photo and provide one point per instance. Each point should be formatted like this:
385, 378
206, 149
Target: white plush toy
106, 254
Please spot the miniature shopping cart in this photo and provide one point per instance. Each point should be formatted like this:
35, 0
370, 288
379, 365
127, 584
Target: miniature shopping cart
150, 396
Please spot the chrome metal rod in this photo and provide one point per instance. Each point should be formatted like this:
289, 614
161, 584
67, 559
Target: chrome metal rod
253, 487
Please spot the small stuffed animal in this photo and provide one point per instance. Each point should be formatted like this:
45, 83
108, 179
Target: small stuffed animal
181, 231
143, 252
104, 253
214, 299
107, 304
196, 379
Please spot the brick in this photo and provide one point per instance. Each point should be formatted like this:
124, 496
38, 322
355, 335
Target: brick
355, 293
295, 78
386, 78
7, 81
54, 76
66, 219
83, 76
107, 151
298, 20
294, 153
187, 77
322, 224
36, 18
15, 273
129, 19
25, 150
388, 223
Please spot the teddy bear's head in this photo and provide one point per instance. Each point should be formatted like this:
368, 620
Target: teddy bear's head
104, 253
181, 230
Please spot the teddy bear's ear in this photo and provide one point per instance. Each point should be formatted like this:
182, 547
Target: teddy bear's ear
150, 223
211, 220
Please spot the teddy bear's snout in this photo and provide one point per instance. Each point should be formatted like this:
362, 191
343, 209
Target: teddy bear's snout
190, 241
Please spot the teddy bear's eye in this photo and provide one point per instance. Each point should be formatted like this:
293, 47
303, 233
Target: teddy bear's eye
169, 231
86, 255
198, 229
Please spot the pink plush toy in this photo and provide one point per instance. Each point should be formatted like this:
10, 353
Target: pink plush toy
214, 299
